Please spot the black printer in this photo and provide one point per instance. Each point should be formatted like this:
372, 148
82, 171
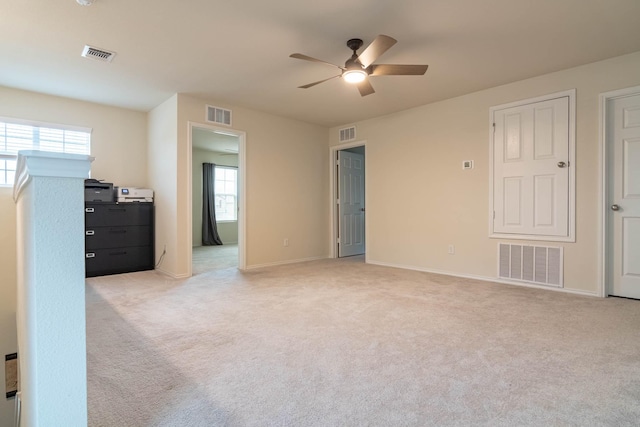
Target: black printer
97, 191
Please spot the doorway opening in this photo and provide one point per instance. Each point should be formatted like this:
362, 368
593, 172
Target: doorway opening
348, 184
216, 171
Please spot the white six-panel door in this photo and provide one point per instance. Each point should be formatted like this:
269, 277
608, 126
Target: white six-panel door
351, 203
623, 141
531, 169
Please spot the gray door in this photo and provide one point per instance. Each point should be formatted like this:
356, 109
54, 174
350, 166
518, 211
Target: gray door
351, 207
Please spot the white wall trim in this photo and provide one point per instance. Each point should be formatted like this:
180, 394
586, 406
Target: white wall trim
37, 123
51, 165
274, 264
171, 275
571, 93
603, 261
333, 195
485, 279
242, 190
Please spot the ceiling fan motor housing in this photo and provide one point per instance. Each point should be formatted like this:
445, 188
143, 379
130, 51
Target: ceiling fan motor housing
353, 63
354, 44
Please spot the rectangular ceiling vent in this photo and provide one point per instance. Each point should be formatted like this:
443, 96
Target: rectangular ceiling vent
218, 115
542, 265
348, 134
97, 54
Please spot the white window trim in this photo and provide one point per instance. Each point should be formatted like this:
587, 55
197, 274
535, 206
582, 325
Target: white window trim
222, 221
35, 123
572, 169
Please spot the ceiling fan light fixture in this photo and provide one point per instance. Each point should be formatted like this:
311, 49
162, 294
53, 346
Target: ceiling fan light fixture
359, 68
354, 76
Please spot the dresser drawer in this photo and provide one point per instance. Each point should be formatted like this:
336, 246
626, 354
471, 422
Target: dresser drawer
117, 214
99, 262
117, 237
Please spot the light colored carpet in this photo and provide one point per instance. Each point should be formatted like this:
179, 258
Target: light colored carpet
342, 343
207, 258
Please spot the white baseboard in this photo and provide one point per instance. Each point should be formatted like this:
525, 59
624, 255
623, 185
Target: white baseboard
173, 276
485, 279
293, 261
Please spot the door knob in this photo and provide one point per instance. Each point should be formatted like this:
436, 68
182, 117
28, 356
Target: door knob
561, 164
615, 207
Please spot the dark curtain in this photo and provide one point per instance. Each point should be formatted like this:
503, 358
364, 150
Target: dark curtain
210, 234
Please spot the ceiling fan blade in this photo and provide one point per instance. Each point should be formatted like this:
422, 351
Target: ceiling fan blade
307, 86
397, 70
378, 46
308, 58
365, 88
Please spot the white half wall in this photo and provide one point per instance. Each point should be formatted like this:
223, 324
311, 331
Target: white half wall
52, 352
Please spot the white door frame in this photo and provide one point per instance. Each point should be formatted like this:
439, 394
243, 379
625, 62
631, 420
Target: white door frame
571, 236
242, 199
604, 261
333, 194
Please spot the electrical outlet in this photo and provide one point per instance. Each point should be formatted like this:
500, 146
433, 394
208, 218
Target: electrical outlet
11, 374
285, 243
451, 250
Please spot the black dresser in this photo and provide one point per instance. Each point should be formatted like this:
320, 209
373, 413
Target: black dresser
119, 237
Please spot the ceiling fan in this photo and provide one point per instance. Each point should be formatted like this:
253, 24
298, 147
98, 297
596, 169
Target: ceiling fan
359, 68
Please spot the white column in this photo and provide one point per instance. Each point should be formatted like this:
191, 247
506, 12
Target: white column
49, 194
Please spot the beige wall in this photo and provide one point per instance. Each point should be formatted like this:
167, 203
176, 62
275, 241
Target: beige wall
286, 184
420, 200
118, 139
162, 178
8, 295
228, 230
118, 142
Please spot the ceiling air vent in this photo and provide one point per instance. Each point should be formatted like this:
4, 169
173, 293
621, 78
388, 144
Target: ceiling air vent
97, 54
348, 134
218, 115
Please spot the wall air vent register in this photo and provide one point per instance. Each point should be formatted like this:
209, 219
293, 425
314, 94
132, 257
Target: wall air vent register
348, 134
542, 265
218, 115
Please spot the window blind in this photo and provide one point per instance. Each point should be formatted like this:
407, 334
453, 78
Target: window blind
16, 135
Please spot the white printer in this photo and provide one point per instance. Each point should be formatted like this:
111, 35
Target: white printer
134, 194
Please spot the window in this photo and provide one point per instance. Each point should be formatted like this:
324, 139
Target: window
16, 135
226, 189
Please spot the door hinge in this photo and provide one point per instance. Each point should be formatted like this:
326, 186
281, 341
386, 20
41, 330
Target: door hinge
494, 214
337, 201
494, 128
338, 240
337, 162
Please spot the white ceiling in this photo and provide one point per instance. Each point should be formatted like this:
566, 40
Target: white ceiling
217, 142
238, 51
